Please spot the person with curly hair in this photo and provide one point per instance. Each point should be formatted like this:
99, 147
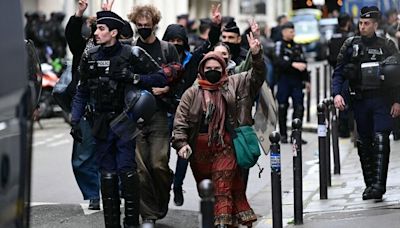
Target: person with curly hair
153, 147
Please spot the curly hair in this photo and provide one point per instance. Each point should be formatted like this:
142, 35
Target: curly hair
147, 11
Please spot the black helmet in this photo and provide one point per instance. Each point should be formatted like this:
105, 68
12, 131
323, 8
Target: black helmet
390, 68
141, 106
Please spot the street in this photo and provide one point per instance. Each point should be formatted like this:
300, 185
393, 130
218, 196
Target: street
57, 201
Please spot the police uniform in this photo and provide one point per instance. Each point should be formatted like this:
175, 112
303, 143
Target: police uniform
290, 80
359, 62
107, 80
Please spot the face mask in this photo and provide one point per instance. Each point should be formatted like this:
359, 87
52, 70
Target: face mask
235, 48
213, 76
180, 48
145, 32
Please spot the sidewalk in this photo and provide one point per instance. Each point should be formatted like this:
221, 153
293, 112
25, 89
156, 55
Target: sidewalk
344, 206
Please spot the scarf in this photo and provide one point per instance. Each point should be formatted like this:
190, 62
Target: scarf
214, 106
214, 103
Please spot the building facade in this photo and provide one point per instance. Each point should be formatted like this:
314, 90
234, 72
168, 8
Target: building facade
264, 11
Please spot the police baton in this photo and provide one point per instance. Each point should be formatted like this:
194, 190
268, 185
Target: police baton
297, 172
275, 152
323, 182
206, 191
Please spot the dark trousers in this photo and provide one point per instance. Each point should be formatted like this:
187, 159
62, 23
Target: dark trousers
115, 155
372, 115
84, 164
155, 175
289, 86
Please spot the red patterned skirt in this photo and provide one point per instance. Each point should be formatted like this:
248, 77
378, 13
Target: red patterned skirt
218, 163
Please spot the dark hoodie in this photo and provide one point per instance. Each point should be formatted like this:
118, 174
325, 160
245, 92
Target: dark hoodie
190, 61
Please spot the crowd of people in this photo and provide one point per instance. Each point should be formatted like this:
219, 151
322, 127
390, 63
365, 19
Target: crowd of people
135, 96
163, 79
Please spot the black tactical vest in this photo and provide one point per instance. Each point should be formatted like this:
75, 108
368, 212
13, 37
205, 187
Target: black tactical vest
107, 79
367, 58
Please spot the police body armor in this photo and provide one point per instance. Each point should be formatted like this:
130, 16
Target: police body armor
293, 52
107, 79
364, 68
113, 94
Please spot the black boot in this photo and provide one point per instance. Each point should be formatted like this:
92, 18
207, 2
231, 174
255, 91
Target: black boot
111, 201
178, 196
282, 122
130, 193
365, 153
382, 152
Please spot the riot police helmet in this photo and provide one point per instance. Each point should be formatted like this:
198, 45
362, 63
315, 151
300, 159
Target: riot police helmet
390, 68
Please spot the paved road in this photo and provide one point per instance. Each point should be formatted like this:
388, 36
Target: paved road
57, 201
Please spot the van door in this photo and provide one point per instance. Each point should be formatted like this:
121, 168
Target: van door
15, 125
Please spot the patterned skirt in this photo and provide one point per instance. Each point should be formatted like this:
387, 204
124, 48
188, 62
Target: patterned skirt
218, 163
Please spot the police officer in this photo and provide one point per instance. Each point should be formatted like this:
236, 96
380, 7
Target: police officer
374, 106
293, 75
106, 79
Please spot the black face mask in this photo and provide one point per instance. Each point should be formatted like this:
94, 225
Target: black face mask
213, 76
180, 48
235, 48
145, 32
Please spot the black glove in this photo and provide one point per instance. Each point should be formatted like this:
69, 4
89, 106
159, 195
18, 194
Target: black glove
76, 133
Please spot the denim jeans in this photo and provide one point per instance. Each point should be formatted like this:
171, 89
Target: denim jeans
84, 164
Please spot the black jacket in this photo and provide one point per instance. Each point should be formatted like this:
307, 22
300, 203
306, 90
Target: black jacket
75, 40
285, 54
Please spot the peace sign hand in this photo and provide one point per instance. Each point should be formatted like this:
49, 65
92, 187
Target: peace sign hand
254, 44
216, 16
255, 29
106, 6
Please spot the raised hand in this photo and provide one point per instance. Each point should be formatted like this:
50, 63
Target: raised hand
216, 16
82, 6
255, 29
254, 44
107, 6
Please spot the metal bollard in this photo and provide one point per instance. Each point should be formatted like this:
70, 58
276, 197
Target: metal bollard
335, 142
323, 182
308, 117
325, 80
275, 151
317, 84
206, 191
297, 172
327, 103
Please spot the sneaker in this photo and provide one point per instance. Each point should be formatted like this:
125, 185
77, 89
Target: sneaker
178, 196
94, 204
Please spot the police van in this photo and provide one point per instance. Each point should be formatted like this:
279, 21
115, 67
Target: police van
19, 91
